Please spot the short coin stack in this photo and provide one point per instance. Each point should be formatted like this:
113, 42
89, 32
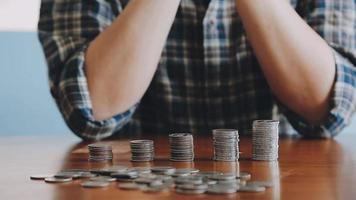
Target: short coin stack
182, 147
265, 140
99, 152
226, 146
142, 150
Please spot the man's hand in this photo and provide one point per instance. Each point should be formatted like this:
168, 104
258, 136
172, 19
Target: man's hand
297, 63
122, 60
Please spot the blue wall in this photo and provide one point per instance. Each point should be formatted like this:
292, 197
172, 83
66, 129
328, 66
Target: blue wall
26, 106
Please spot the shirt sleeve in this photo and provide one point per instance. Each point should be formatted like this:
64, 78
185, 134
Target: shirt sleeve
65, 29
335, 21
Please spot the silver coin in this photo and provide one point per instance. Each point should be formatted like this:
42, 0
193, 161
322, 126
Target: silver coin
223, 176
142, 150
87, 175
95, 184
40, 176
225, 143
99, 152
181, 147
99, 146
193, 186
103, 179
189, 180
165, 170
72, 175
216, 189
57, 180
115, 169
265, 140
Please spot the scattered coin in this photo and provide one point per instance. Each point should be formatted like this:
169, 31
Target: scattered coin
57, 180
40, 176
223, 176
87, 175
65, 174
141, 170
218, 189
184, 172
103, 179
163, 170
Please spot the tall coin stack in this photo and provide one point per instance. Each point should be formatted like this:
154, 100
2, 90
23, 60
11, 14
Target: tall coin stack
265, 140
142, 150
100, 152
182, 147
226, 145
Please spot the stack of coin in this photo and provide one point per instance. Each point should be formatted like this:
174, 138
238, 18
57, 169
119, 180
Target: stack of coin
226, 146
142, 150
182, 147
100, 152
265, 140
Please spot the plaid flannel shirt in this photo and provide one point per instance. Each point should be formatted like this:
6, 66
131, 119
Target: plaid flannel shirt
208, 76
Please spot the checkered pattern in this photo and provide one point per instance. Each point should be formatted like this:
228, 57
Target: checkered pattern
208, 76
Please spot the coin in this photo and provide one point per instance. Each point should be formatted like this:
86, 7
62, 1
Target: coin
265, 140
225, 143
65, 174
99, 152
182, 147
142, 150
125, 176
103, 179
40, 176
58, 180
192, 186
163, 170
223, 176
217, 189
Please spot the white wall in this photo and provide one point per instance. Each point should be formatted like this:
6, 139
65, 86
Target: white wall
19, 15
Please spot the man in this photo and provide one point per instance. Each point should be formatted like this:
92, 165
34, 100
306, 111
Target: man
165, 66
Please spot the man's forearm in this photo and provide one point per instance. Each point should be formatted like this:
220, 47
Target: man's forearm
122, 60
296, 61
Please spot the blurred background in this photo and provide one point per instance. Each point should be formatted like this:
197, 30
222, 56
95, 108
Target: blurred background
26, 106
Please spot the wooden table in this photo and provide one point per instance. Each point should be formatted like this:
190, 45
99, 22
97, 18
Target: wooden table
307, 169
